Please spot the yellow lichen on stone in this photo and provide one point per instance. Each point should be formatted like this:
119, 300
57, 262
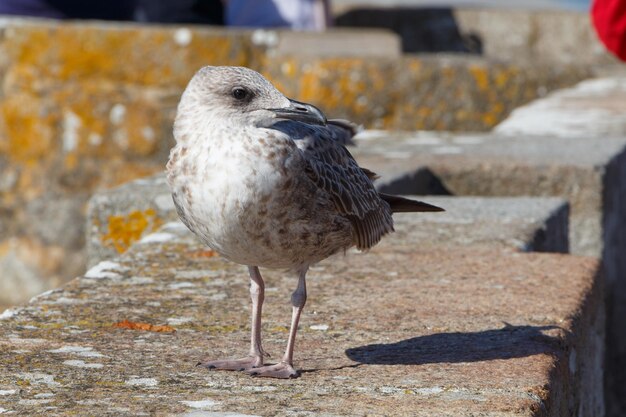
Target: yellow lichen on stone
27, 135
83, 51
489, 119
124, 230
281, 329
128, 171
462, 115
86, 104
70, 161
222, 328
212, 49
288, 68
481, 76
414, 65
501, 78
139, 125
344, 85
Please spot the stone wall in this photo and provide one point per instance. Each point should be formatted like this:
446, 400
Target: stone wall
87, 106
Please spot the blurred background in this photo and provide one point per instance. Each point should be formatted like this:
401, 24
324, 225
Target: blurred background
90, 90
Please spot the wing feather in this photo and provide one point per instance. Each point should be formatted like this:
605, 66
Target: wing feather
333, 169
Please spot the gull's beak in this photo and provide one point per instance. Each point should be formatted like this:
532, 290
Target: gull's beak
301, 112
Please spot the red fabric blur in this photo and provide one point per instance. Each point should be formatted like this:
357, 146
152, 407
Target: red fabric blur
609, 19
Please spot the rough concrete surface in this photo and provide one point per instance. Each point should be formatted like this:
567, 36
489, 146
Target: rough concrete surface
396, 331
122, 215
423, 92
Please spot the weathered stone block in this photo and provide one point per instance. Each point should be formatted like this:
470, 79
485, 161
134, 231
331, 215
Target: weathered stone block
118, 217
335, 42
442, 331
530, 224
417, 92
22, 260
592, 108
41, 54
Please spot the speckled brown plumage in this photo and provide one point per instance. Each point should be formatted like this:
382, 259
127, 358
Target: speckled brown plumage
267, 181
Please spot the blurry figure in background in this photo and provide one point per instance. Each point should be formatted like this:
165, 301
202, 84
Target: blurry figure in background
294, 14
166, 11
208, 12
609, 19
70, 9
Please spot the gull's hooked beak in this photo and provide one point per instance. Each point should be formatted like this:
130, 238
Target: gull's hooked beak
301, 112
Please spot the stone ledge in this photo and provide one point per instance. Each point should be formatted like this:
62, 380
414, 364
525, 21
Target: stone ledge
122, 215
418, 92
528, 224
408, 332
592, 108
484, 164
587, 170
42, 53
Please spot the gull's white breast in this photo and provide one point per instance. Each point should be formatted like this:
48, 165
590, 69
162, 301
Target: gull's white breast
225, 189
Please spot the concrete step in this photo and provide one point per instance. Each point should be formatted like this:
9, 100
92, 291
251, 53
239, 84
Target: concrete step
438, 331
574, 168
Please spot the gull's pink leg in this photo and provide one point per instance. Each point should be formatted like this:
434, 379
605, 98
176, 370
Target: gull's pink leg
255, 357
257, 293
284, 369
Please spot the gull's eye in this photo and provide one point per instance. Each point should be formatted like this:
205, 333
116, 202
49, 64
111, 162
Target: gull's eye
240, 93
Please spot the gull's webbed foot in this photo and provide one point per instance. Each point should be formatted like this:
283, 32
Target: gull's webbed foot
281, 370
244, 364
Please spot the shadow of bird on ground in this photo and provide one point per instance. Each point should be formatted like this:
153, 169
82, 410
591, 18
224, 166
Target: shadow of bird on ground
508, 342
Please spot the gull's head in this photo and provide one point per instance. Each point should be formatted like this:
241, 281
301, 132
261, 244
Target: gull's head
239, 96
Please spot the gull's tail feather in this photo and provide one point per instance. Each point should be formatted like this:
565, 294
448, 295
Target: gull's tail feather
404, 205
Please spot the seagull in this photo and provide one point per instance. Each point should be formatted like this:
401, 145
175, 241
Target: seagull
266, 181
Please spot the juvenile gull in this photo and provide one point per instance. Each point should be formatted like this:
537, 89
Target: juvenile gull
266, 182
